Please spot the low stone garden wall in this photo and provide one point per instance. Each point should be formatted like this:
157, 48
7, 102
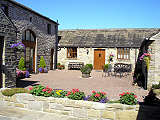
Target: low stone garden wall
77, 108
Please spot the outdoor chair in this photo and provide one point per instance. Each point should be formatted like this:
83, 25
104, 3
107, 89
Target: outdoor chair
107, 70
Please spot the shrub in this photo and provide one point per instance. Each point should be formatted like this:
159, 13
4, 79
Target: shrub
59, 66
42, 63
22, 64
86, 70
99, 97
41, 91
106, 66
12, 91
90, 66
60, 93
128, 98
156, 86
75, 94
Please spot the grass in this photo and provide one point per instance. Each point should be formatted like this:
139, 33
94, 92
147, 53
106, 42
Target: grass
12, 91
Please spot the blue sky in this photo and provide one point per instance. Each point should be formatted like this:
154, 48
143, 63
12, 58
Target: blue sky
99, 14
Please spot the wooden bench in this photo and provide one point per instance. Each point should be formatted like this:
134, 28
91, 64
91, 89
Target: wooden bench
75, 65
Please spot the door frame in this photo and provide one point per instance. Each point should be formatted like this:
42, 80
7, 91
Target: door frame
51, 60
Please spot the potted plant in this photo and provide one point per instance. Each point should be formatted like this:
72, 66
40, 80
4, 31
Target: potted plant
146, 57
110, 58
59, 66
90, 65
42, 65
19, 47
85, 71
156, 89
106, 66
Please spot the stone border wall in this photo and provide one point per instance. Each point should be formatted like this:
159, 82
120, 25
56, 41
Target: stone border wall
76, 108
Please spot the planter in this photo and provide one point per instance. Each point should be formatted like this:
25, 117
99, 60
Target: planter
85, 75
156, 91
111, 59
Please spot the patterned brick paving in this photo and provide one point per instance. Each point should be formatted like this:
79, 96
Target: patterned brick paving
69, 79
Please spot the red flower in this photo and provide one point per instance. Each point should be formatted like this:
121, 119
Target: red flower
103, 93
123, 93
49, 92
44, 90
47, 87
97, 95
76, 90
68, 93
135, 96
93, 91
30, 88
127, 93
73, 90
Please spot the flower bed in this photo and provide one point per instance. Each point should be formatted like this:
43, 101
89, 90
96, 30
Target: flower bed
77, 108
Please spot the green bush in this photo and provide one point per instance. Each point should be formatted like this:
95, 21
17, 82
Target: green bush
106, 66
86, 70
42, 63
128, 98
89, 65
22, 64
12, 91
75, 94
40, 90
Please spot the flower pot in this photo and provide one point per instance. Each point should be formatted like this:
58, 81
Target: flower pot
85, 75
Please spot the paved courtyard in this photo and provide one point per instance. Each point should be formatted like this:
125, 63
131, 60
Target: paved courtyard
69, 79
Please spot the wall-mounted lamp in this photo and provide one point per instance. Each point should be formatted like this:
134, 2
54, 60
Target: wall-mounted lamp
87, 51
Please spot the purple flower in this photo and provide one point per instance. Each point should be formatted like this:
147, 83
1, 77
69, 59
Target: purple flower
87, 98
40, 69
27, 74
103, 100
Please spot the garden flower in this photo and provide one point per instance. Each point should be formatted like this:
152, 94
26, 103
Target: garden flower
93, 91
68, 93
127, 93
49, 92
73, 90
76, 90
30, 88
97, 95
135, 96
103, 93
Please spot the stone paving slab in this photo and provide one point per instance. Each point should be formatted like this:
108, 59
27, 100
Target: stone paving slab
69, 79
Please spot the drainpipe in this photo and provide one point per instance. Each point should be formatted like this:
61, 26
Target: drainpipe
56, 45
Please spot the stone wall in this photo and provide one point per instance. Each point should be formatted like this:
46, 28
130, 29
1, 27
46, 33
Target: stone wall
8, 65
80, 109
82, 56
20, 16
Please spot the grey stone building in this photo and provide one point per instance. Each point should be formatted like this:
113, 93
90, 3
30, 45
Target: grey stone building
94, 46
37, 32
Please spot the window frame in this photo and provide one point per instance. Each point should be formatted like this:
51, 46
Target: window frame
72, 52
31, 34
123, 52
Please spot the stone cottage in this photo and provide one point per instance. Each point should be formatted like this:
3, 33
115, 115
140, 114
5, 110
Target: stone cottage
38, 33
94, 46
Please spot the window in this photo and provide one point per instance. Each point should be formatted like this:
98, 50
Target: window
49, 28
30, 19
28, 35
71, 52
123, 53
5, 9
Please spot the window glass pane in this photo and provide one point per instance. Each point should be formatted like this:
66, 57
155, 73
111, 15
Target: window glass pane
27, 35
128, 56
23, 36
121, 50
124, 56
118, 55
124, 50
121, 56
32, 38
118, 50
128, 50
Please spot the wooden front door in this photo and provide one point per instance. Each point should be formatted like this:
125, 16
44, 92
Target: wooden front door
51, 62
1, 49
99, 59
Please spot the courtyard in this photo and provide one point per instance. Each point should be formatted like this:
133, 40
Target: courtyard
69, 79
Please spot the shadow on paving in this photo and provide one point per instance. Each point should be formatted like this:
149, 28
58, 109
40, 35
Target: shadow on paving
25, 83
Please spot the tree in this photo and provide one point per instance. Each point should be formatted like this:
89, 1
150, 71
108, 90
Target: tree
42, 63
22, 64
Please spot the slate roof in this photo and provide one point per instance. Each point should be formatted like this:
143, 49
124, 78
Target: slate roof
131, 37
